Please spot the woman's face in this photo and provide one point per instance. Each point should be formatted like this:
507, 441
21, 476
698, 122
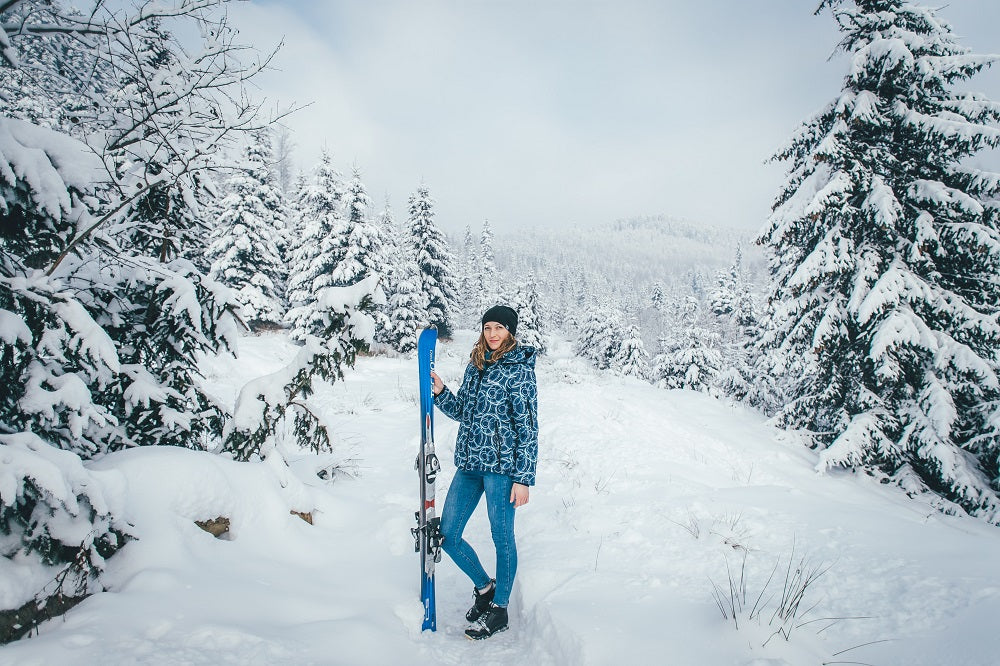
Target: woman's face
495, 334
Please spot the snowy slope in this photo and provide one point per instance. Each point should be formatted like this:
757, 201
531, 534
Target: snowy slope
643, 496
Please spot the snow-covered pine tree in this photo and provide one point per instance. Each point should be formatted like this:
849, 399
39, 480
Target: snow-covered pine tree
727, 285
886, 256
487, 273
656, 296
689, 358
406, 303
434, 262
319, 248
631, 359
364, 242
102, 320
599, 335
530, 329
471, 289
284, 168
244, 245
365, 239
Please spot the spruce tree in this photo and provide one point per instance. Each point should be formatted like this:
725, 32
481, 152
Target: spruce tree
599, 337
406, 303
529, 312
244, 247
105, 318
631, 359
319, 249
434, 262
689, 358
487, 270
886, 254
364, 239
472, 281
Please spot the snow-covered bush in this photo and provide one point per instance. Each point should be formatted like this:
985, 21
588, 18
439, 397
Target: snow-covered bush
53, 509
103, 319
265, 403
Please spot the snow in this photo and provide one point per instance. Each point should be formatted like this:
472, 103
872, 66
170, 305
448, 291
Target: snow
48, 161
13, 329
644, 497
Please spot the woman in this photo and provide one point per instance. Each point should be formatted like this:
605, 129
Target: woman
495, 455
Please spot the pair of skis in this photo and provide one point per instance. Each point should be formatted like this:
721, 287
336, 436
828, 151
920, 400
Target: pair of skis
427, 533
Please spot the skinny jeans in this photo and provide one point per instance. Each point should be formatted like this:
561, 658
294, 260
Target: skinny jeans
463, 496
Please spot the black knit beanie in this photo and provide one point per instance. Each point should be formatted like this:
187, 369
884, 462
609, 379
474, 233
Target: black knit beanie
502, 314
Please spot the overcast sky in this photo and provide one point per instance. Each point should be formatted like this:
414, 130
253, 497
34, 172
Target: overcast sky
563, 112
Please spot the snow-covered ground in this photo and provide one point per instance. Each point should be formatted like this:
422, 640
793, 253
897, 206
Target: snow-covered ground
644, 498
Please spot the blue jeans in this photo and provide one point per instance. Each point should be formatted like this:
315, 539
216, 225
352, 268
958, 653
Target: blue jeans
463, 497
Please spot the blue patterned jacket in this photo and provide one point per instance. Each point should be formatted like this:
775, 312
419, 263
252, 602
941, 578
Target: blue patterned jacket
497, 410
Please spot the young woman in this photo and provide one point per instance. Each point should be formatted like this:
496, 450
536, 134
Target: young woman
495, 455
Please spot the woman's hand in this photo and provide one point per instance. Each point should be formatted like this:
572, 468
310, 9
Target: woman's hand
519, 495
438, 384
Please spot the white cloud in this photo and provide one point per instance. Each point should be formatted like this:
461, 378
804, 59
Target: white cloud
558, 112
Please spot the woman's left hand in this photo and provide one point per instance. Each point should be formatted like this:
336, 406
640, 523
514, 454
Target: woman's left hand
519, 495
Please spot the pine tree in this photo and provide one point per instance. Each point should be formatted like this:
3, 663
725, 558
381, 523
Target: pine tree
364, 243
105, 320
345, 327
487, 274
471, 283
529, 325
886, 259
599, 336
631, 359
434, 262
691, 357
244, 248
727, 285
319, 250
406, 307
656, 296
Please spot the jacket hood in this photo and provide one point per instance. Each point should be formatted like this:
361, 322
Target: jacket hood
519, 354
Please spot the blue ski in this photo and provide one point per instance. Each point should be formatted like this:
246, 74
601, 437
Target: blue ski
427, 533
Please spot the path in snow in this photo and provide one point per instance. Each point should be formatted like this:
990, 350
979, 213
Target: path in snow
643, 496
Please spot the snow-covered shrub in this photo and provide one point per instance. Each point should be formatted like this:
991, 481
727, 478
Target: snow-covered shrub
264, 403
52, 508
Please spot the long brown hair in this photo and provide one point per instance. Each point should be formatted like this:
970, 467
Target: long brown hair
478, 355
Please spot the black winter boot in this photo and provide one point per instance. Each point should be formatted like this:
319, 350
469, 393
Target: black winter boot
482, 601
492, 621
